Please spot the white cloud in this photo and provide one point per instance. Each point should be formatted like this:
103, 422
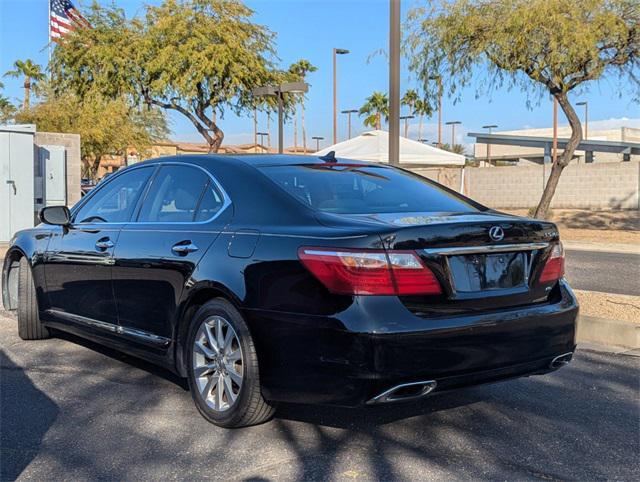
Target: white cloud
614, 123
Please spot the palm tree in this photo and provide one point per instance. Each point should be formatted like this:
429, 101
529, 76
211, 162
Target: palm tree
409, 99
300, 69
376, 106
31, 72
7, 109
421, 108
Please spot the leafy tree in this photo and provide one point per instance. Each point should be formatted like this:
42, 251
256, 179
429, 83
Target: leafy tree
456, 148
375, 107
300, 69
421, 108
409, 99
196, 57
541, 46
7, 109
106, 126
31, 72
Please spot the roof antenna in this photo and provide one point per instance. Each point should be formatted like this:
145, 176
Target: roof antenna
330, 157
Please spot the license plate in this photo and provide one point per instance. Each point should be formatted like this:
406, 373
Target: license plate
481, 272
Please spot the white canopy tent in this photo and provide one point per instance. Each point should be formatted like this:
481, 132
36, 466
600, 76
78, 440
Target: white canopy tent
374, 146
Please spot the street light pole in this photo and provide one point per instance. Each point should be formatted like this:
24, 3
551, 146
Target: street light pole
586, 118
262, 136
349, 112
394, 82
317, 139
406, 118
336, 52
280, 90
453, 125
491, 127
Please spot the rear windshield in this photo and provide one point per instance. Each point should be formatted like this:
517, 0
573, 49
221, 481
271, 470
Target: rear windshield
354, 189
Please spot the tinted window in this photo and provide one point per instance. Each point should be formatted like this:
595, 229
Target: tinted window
114, 201
175, 195
351, 189
210, 203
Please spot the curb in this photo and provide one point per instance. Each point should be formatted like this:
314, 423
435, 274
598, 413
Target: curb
620, 248
602, 331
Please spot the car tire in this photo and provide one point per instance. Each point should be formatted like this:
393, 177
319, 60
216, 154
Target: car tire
222, 367
29, 325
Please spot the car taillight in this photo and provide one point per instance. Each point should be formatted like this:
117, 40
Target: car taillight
554, 267
370, 272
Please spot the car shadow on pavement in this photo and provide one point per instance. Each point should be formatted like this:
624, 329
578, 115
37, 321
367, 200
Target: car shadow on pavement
120, 418
116, 355
22, 425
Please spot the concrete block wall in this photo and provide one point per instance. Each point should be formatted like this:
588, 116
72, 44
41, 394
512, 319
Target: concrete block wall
74, 161
590, 186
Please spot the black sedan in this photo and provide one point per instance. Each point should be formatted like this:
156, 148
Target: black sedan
288, 278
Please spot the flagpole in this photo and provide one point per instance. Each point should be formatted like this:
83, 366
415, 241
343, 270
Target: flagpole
49, 30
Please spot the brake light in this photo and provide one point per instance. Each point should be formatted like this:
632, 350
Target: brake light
370, 272
554, 267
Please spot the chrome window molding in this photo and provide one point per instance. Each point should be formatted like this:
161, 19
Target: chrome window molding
226, 199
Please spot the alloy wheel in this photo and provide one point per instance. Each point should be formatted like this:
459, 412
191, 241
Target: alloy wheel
218, 363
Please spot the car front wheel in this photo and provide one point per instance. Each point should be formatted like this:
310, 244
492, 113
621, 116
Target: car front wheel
224, 377
29, 325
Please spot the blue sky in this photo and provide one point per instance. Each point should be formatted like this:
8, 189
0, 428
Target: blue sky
310, 29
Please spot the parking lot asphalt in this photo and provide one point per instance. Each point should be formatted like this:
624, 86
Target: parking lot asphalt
605, 272
76, 411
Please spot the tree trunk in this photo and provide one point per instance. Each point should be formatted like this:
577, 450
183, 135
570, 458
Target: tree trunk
295, 130
27, 93
563, 160
304, 129
378, 121
420, 128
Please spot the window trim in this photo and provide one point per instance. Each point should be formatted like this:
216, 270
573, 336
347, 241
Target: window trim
226, 200
86, 199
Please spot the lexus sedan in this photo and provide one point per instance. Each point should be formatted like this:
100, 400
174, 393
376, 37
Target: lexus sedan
296, 278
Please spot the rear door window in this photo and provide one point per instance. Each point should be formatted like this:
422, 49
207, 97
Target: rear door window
356, 189
175, 195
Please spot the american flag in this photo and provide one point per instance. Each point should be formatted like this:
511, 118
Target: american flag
64, 18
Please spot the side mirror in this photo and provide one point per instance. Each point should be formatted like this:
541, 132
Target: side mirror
55, 215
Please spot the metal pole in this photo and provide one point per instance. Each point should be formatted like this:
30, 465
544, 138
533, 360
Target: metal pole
453, 136
554, 154
255, 128
349, 120
439, 114
394, 82
280, 123
586, 120
335, 98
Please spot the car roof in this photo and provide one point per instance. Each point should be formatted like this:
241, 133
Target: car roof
255, 159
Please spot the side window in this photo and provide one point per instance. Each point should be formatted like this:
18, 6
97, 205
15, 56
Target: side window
210, 203
115, 201
174, 195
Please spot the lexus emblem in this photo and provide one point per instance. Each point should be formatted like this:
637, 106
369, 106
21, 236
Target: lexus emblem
496, 233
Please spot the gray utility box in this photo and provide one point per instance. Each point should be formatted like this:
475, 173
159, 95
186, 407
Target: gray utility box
16, 179
50, 176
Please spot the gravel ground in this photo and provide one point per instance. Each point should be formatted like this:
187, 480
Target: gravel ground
72, 410
608, 305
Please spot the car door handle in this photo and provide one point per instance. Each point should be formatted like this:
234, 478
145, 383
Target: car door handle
104, 243
184, 247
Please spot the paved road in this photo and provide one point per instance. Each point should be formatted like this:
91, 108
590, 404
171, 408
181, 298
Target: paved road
73, 410
606, 272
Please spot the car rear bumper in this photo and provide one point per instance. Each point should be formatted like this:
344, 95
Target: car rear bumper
317, 360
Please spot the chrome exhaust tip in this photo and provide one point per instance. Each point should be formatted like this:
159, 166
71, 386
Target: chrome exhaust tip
405, 392
561, 360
